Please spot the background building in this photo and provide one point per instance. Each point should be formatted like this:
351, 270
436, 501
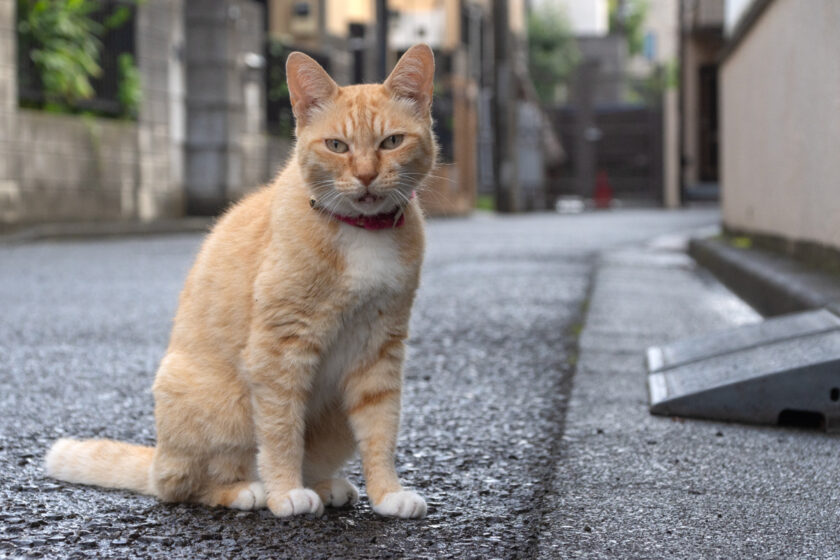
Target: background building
618, 117
212, 119
701, 45
780, 122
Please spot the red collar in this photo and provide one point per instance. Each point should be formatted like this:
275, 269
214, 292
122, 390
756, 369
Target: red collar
387, 220
379, 221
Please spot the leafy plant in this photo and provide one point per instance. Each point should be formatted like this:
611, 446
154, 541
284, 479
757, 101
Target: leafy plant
552, 51
68, 46
485, 202
65, 43
628, 16
277, 91
649, 89
130, 92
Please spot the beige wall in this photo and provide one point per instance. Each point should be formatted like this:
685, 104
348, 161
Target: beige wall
586, 18
340, 13
298, 31
780, 97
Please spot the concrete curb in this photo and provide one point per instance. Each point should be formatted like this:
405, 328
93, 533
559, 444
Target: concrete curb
82, 230
772, 283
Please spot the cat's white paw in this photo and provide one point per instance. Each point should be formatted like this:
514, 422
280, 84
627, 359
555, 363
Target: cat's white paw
337, 492
252, 497
296, 502
405, 504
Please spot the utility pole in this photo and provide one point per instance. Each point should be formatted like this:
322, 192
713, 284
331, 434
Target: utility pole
381, 39
504, 111
585, 132
357, 45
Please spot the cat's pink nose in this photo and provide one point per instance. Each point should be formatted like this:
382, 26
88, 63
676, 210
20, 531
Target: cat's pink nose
367, 178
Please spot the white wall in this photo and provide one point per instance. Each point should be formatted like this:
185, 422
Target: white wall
663, 22
780, 102
587, 17
733, 11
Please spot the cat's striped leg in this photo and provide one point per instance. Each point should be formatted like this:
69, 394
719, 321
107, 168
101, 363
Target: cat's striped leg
279, 376
373, 405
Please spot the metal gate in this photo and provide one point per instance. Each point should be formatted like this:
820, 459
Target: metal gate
627, 141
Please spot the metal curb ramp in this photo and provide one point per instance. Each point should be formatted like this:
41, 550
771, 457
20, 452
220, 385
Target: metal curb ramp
781, 371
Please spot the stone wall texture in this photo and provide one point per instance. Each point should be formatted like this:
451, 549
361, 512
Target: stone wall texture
200, 128
73, 168
57, 167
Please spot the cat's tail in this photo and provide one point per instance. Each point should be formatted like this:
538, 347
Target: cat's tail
102, 462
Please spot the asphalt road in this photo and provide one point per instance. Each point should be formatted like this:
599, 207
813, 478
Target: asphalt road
494, 345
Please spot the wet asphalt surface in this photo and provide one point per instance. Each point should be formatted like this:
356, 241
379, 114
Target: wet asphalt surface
492, 354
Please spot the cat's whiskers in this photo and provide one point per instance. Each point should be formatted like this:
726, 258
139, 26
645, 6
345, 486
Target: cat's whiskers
328, 204
424, 176
399, 197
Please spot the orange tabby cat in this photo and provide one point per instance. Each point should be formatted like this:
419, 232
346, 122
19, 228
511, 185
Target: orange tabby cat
287, 348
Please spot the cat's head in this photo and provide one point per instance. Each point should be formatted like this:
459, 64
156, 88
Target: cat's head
364, 149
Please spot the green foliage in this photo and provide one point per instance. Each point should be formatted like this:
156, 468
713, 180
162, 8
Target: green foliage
66, 44
277, 90
130, 92
485, 202
118, 18
650, 89
741, 242
277, 86
629, 20
552, 51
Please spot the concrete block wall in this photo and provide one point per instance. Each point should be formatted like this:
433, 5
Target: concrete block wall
208, 76
9, 187
75, 168
68, 167
248, 122
159, 51
226, 150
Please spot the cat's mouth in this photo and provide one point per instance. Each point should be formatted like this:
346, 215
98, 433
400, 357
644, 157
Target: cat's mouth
369, 198
369, 204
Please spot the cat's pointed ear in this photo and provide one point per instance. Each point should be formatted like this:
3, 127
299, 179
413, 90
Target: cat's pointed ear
414, 77
309, 84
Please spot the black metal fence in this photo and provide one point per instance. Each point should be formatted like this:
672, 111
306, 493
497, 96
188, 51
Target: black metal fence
628, 148
444, 124
116, 40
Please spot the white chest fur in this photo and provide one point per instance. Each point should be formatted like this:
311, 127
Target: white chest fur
374, 273
372, 259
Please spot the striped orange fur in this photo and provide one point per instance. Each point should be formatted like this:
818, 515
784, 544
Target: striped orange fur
287, 348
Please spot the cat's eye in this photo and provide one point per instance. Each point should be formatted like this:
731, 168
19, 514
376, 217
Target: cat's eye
391, 142
337, 146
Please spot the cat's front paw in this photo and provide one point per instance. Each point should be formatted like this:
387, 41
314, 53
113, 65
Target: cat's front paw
337, 492
295, 502
250, 497
405, 504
